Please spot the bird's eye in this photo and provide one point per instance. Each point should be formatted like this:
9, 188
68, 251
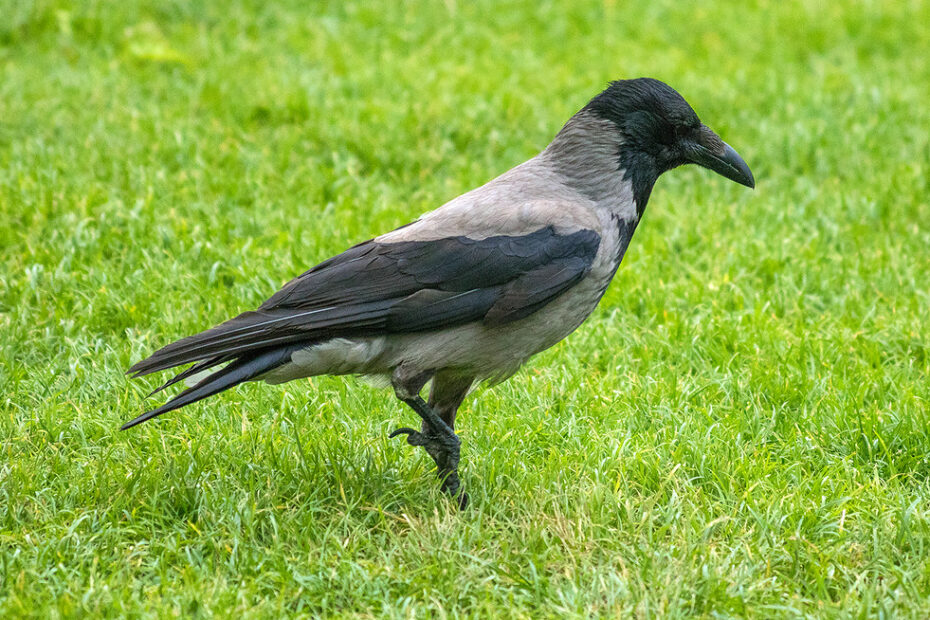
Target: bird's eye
668, 134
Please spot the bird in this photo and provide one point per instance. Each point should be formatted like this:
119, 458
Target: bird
469, 292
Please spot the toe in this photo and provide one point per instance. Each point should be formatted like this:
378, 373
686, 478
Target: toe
403, 431
414, 438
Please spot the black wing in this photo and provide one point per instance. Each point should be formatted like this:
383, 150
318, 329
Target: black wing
382, 288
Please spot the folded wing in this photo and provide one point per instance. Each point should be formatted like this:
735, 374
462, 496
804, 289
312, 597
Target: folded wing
382, 288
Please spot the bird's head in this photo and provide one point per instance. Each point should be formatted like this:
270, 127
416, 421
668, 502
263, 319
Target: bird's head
660, 131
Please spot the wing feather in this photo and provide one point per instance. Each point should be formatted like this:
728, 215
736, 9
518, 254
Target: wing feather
380, 288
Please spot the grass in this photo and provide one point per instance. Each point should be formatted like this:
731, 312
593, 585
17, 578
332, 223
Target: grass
739, 430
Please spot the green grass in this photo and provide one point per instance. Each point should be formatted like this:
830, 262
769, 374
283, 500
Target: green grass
740, 428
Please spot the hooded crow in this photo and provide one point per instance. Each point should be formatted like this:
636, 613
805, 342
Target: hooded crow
468, 292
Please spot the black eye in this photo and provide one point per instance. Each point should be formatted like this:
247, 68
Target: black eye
668, 134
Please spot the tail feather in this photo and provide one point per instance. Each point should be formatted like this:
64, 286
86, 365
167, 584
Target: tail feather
242, 369
190, 372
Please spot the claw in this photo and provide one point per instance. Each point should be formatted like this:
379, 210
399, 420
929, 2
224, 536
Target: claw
451, 486
402, 431
414, 438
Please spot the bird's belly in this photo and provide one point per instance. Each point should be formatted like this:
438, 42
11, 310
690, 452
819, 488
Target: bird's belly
495, 353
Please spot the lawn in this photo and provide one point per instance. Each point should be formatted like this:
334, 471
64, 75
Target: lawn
741, 428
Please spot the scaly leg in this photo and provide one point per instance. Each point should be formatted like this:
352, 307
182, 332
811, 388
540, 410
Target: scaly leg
436, 435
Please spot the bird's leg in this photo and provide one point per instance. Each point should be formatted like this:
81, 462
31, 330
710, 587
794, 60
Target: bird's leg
435, 436
442, 445
446, 396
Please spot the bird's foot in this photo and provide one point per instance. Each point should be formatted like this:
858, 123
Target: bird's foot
444, 450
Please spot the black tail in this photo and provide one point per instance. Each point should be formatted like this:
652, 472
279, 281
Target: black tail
206, 364
242, 369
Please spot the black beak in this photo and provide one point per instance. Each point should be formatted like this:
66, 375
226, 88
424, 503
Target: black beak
715, 154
